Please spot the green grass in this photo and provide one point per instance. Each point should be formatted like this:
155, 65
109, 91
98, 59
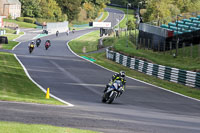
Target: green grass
8, 30
86, 43
13, 127
16, 86
182, 61
103, 61
11, 43
21, 24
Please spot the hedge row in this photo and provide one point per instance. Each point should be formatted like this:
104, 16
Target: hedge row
26, 19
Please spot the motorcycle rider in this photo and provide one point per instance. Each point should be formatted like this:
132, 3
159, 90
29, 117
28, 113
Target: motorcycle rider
31, 44
38, 41
118, 76
57, 32
48, 43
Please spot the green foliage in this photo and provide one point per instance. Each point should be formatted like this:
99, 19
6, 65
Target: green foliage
29, 20
131, 24
21, 19
157, 9
70, 7
161, 10
48, 9
61, 10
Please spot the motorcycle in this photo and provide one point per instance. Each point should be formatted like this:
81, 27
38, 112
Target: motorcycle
47, 44
31, 47
38, 42
112, 92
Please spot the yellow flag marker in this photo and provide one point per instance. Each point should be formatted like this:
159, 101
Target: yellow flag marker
47, 94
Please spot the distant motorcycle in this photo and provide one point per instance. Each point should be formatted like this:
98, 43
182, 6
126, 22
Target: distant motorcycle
47, 44
112, 92
31, 47
57, 32
38, 41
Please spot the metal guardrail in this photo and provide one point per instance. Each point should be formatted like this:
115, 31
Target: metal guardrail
184, 77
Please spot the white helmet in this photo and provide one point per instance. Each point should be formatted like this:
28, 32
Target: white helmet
122, 74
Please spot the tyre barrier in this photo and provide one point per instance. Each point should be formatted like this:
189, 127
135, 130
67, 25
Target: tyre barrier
184, 77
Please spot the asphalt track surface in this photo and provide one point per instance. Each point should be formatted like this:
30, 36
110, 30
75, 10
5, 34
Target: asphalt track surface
142, 108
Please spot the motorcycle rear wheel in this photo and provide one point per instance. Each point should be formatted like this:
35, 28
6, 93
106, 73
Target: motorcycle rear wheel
112, 97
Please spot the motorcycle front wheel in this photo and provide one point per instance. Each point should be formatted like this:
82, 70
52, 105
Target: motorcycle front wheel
30, 50
104, 98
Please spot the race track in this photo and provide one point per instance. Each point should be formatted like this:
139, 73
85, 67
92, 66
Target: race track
142, 108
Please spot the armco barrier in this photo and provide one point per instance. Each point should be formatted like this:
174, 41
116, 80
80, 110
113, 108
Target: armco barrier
184, 77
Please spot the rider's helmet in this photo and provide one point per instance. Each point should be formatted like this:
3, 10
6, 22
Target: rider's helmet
32, 42
122, 74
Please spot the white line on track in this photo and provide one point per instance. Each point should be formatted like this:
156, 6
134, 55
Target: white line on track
103, 85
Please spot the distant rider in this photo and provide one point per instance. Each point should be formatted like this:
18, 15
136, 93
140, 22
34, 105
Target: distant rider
48, 42
38, 40
118, 76
57, 32
31, 45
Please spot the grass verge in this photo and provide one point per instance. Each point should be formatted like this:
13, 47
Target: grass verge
182, 61
16, 86
86, 43
21, 24
11, 43
103, 61
13, 127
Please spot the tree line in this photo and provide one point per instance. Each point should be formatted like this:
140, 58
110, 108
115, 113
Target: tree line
61, 10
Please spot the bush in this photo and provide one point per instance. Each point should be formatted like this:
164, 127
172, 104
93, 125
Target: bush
20, 19
29, 20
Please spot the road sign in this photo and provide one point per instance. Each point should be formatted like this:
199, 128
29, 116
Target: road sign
102, 24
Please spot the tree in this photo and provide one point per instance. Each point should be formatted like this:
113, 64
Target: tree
131, 24
70, 7
42, 9
31, 8
157, 10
